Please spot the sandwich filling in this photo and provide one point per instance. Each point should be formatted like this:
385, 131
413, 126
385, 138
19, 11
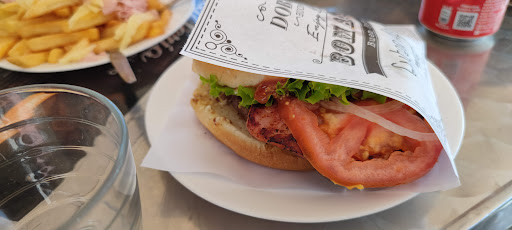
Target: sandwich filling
353, 137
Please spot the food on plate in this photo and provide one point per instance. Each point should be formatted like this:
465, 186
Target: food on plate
23, 110
355, 138
55, 31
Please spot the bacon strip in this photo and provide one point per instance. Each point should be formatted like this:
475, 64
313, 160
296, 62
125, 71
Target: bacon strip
265, 125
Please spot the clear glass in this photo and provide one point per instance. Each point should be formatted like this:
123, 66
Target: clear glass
65, 161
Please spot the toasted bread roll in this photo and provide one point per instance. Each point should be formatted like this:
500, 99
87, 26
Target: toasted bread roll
225, 123
228, 77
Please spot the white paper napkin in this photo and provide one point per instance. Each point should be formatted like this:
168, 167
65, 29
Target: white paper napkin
288, 39
185, 146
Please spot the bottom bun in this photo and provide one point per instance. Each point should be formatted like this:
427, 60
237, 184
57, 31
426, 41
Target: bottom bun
225, 123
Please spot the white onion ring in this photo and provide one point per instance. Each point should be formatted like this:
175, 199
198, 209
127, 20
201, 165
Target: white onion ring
384, 108
370, 116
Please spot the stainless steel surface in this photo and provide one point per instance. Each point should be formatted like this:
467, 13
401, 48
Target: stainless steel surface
481, 73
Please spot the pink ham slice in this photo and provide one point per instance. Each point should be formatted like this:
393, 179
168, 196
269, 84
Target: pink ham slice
124, 8
265, 125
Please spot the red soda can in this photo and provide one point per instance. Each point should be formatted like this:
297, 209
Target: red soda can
463, 19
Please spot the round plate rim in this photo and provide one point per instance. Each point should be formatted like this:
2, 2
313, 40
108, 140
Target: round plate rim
191, 181
185, 6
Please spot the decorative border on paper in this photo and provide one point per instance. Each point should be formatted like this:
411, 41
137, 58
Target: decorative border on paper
221, 41
205, 20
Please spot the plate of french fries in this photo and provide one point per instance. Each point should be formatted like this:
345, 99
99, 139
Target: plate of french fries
43, 36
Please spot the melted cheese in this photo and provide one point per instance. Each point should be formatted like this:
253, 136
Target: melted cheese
350, 187
358, 186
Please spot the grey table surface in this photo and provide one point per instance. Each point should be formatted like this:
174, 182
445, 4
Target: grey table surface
481, 73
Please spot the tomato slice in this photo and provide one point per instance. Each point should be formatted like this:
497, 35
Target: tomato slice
334, 157
267, 88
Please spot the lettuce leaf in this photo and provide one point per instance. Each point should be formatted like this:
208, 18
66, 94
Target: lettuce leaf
308, 91
270, 101
377, 97
216, 89
313, 92
323, 91
247, 95
280, 89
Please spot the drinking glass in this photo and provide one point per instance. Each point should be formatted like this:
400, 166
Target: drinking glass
65, 161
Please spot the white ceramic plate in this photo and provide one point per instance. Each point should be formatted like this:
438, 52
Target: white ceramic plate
286, 205
181, 12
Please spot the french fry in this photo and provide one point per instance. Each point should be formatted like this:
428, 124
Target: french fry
74, 9
19, 49
155, 5
79, 13
42, 7
25, 4
12, 24
155, 31
21, 13
120, 31
11, 7
42, 19
4, 33
29, 60
110, 43
95, 5
5, 45
8, 26
110, 30
88, 20
131, 28
55, 55
45, 28
77, 52
84, 11
23, 110
33, 32
64, 12
58, 40
141, 32
68, 48
107, 44
5, 14
113, 22
158, 27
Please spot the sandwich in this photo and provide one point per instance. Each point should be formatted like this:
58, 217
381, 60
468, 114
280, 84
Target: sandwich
355, 138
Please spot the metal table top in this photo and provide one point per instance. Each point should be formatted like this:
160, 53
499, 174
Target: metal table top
480, 71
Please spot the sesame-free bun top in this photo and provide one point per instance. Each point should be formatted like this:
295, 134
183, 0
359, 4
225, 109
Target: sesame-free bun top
225, 76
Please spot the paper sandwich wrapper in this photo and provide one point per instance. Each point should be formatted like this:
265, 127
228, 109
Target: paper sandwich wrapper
287, 39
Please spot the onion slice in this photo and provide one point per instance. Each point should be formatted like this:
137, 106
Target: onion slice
370, 116
122, 66
384, 108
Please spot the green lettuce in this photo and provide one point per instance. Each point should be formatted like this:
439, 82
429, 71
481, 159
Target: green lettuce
314, 92
377, 97
216, 89
308, 91
247, 94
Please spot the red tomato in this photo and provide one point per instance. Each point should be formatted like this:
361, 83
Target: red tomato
334, 157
